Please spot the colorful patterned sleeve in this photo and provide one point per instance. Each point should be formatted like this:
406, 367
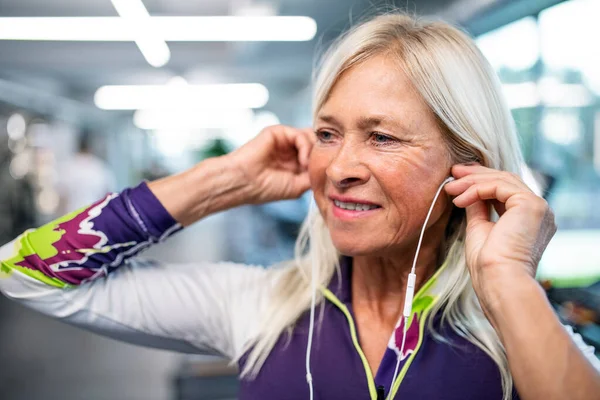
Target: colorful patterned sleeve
93, 241
81, 269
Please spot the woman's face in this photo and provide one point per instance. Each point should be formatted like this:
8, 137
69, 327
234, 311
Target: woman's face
378, 161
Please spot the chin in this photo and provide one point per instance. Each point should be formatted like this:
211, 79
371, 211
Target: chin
353, 246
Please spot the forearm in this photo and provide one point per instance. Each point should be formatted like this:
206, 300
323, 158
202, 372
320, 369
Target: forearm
544, 361
213, 185
92, 241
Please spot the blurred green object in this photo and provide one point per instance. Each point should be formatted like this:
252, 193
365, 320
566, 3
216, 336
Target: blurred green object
215, 148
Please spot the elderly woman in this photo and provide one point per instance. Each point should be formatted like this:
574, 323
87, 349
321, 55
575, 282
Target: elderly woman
400, 105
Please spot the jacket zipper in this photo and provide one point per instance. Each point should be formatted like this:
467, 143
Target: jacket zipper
380, 393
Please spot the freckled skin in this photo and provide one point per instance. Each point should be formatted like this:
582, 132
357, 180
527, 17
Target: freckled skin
401, 174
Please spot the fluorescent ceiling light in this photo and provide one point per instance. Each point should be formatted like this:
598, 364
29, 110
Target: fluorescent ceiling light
137, 97
153, 48
132, 9
176, 29
188, 119
155, 51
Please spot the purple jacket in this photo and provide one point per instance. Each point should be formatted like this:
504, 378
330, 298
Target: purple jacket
456, 370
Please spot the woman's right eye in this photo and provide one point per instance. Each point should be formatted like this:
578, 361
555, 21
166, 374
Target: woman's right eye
324, 136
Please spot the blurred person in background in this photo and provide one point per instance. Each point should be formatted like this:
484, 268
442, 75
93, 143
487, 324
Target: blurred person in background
400, 105
84, 178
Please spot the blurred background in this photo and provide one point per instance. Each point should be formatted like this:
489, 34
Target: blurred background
154, 86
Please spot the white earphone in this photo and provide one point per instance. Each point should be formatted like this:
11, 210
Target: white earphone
410, 284
410, 290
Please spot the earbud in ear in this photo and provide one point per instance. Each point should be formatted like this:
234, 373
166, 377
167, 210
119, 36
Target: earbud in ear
448, 180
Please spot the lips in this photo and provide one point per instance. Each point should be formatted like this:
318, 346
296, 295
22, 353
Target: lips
347, 208
354, 200
354, 206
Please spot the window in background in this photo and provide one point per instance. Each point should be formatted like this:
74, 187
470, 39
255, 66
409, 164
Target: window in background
550, 73
566, 33
514, 51
570, 79
514, 46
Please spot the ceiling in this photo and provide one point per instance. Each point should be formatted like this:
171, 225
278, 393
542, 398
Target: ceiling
76, 69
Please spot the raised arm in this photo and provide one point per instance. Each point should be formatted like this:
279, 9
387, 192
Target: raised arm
545, 359
272, 166
81, 268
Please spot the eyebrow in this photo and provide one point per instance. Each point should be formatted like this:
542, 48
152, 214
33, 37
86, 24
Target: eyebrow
370, 122
364, 123
330, 119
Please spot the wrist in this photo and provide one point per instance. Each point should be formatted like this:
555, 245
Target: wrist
220, 180
213, 185
504, 293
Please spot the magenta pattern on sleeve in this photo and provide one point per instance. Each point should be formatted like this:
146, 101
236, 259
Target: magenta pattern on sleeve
96, 240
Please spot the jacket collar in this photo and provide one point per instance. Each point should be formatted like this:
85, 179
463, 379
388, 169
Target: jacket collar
341, 283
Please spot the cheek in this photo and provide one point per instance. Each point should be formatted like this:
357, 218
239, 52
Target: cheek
409, 182
408, 173
317, 166
399, 176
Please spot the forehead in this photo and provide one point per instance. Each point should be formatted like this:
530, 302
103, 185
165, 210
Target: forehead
377, 86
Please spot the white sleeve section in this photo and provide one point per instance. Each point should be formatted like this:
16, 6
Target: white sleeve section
193, 308
588, 351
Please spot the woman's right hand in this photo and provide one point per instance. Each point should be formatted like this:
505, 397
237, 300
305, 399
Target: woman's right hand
275, 163
272, 166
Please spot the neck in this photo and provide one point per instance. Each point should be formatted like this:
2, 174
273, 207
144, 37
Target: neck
379, 282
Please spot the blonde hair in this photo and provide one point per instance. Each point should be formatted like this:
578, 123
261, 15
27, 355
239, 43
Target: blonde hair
463, 91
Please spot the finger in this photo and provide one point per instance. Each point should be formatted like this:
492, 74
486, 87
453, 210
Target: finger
499, 207
477, 213
460, 185
494, 190
303, 146
479, 226
312, 139
460, 170
310, 134
291, 139
283, 135
300, 183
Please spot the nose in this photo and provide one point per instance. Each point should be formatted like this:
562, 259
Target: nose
346, 169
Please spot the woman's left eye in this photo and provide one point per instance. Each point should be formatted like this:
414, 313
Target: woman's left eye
379, 138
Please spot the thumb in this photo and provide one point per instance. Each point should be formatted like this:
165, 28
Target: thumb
477, 214
478, 229
300, 183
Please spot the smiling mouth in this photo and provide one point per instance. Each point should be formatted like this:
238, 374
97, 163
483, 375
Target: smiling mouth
354, 206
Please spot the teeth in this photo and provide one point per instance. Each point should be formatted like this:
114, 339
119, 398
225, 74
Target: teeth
353, 206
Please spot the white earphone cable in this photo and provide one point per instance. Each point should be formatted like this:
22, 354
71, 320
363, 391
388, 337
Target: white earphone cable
313, 289
410, 287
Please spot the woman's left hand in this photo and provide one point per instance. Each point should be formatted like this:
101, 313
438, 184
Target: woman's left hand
510, 248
